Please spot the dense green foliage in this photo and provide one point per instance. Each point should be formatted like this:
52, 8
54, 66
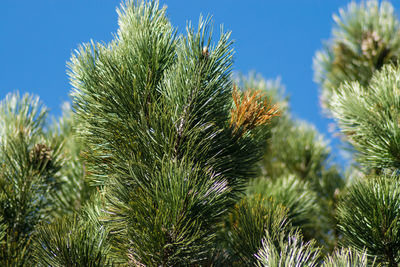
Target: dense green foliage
30, 161
290, 251
370, 217
359, 82
369, 118
364, 39
166, 158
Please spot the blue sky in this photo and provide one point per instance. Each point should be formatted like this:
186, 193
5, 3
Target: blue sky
276, 38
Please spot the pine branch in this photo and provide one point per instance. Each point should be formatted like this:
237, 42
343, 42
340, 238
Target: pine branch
72, 242
365, 38
154, 113
30, 161
297, 197
349, 257
369, 116
290, 252
75, 189
369, 217
252, 218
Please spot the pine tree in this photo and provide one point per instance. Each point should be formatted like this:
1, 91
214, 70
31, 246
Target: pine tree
365, 38
358, 76
166, 158
167, 139
29, 175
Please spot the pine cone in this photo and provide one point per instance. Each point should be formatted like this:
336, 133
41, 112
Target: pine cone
40, 157
371, 44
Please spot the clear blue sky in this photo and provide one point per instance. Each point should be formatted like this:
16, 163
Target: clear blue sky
272, 37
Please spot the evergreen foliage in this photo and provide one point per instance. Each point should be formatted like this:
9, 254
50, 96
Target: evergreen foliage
358, 75
72, 242
301, 176
290, 252
168, 159
252, 218
164, 136
75, 188
30, 160
347, 257
306, 154
369, 218
365, 38
369, 118
294, 194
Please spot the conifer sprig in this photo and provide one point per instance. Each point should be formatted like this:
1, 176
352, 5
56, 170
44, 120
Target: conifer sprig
72, 242
251, 109
30, 160
297, 196
253, 218
288, 250
364, 39
369, 218
348, 257
369, 118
